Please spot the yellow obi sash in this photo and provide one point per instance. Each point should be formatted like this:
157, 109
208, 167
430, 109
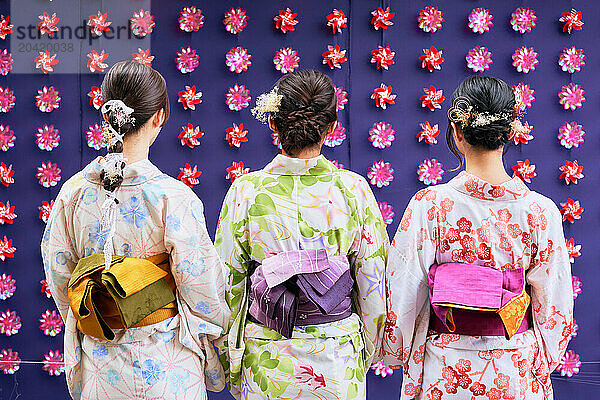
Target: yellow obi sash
134, 292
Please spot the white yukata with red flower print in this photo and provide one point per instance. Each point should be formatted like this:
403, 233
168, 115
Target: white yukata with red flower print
504, 227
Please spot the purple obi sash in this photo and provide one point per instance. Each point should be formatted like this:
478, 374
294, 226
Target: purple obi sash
474, 300
300, 287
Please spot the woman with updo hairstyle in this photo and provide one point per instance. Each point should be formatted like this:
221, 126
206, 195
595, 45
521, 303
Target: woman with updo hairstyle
479, 278
305, 247
130, 264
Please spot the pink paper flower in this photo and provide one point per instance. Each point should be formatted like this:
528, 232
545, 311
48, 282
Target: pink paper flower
10, 323
95, 96
573, 249
191, 19
572, 21
94, 137
96, 61
571, 59
143, 57
381, 135
387, 212
381, 173
432, 98
428, 133
54, 363
6, 174
569, 364
238, 97
334, 57
142, 23
381, 369
430, 19
525, 59
336, 137
47, 99
286, 60
286, 20
383, 57
479, 59
576, 286
337, 164
51, 323
571, 172
236, 170
9, 361
236, 135
571, 134
382, 18
480, 20
46, 289
523, 96
432, 59
523, 19
6, 62
571, 210
571, 96
48, 24
47, 137
430, 171
45, 61
98, 23
574, 328
524, 170
189, 98
7, 213
522, 133
337, 21
45, 210
383, 96
189, 175
8, 286
187, 60
275, 139
342, 97
7, 99
6, 249
48, 174
190, 136
6, 28
7, 138
238, 59
235, 20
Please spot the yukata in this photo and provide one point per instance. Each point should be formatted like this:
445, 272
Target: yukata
291, 205
505, 228
171, 359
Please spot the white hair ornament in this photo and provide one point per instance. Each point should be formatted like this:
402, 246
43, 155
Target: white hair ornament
266, 104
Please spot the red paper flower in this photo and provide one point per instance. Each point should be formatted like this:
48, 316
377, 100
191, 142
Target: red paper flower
341, 96
6, 249
522, 133
187, 60
7, 138
382, 18
45, 210
10, 323
571, 134
432, 98
286, 60
48, 174
571, 172
45, 61
430, 19
47, 99
480, 20
189, 175
6, 62
573, 249
7, 213
47, 137
51, 323
336, 137
54, 363
382, 57
9, 361
523, 19
96, 61
6, 174
337, 21
571, 210
45, 289
381, 135
236, 170
334, 57
235, 20
525, 59
7, 286
432, 59
95, 96
479, 59
524, 170
383, 96
286, 20
571, 59
5, 26
430, 171
428, 133
48, 24
576, 284
98, 23
191, 19
190, 136
143, 57
142, 23
95, 137
236, 135
7, 99
523, 96
237, 97
189, 97
238, 59
387, 212
572, 21
381, 174
337, 164
571, 96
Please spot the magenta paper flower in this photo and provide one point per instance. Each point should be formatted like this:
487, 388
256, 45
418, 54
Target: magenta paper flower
382, 18
47, 99
571, 134
187, 60
381, 369
47, 137
10, 323
275, 139
7, 138
142, 23
432, 59
6, 62
236, 135
381, 173
7, 99
523, 96
98, 23
576, 283
190, 136
96, 61
189, 98
523, 19
235, 20
341, 96
573, 249
46, 289
334, 57
428, 133
569, 364
8, 286
45, 210
189, 175
525, 59
191, 19
480, 20
383, 57
571, 210
54, 363
383, 96
574, 328
6, 174
337, 21
7, 250
381, 135
51, 323
430, 171
286, 20
524, 170
95, 96
142, 57
238, 59
432, 98
522, 133
337, 164
9, 361
48, 174
572, 21
571, 172
479, 59
238, 97
387, 212
571, 96
6, 28
286, 60
336, 137
571, 59
430, 19
94, 137
48, 24
7, 213
236, 170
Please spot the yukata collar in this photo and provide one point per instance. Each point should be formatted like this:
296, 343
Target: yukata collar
474, 186
133, 174
283, 165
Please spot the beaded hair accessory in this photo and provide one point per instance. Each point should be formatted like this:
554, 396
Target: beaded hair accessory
464, 114
266, 104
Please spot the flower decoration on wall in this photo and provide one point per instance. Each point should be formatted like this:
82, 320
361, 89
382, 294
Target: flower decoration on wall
286, 60
7, 250
428, 133
45, 210
47, 99
189, 175
432, 59
334, 57
479, 59
45, 61
9, 361
383, 57
7, 138
6, 174
381, 173
51, 323
383, 96
95, 96
523, 96
235, 20
236, 170
187, 60
430, 171
96, 61
573, 249
286, 20
236, 135
7, 99
342, 97
381, 135
142, 23
522, 132
523, 19
6, 62
6, 28
382, 18
576, 283
571, 134
572, 21
47, 137
571, 59
337, 164
10, 323
337, 21
574, 328
8, 286
237, 97
571, 96
143, 57
48, 24
190, 136
569, 364
381, 369
94, 137
571, 210
525, 59
7, 213
189, 98
432, 98
190, 19
387, 212
336, 137
54, 363
238, 59
275, 139
46, 289
430, 19
571, 172
98, 23
524, 170
480, 20
48, 174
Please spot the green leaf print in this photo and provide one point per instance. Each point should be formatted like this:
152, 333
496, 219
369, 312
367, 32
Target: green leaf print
249, 359
349, 374
352, 391
270, 364
308, 180
263, 205
284, 186
264, 356
276, 388
286, 365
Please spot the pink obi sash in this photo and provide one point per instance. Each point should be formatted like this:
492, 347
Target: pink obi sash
474, 300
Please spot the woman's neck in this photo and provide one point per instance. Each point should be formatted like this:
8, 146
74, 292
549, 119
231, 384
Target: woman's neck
305, 153
488, 166
135, 150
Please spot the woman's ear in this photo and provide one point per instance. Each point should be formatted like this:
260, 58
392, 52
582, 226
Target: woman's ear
158, 118
105, 117
457, 133
272, 125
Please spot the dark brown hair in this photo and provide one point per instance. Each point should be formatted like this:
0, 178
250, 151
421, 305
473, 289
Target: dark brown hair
308, 109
